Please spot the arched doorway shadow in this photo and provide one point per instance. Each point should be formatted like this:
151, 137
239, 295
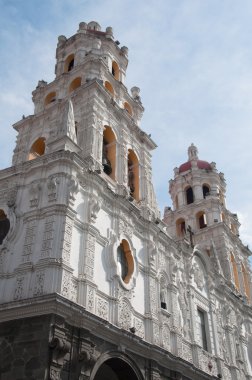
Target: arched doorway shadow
115, 366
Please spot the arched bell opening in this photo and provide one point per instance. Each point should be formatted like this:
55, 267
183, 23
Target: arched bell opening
109, 88
180, 227
133, 174
201, 219
205, 190
69, 63
115, 369
128, 108
115, 70
189, 195
75, 84
50, 98
4, 225
37, 149
109, 152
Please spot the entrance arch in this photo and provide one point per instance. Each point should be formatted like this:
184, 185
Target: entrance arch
116, 368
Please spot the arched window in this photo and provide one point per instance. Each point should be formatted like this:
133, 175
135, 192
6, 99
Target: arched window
133, 174
235, 271
189, 195
115, 70
75, 84
4, 226
37, 149
125, 261
128, 108
201, 219
50, 98
205, 190
163, 294
109, 152
246, 281
116, 368
69, 63
180, 227
110, 89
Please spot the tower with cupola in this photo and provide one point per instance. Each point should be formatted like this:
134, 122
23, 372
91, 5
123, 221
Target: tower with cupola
217, 274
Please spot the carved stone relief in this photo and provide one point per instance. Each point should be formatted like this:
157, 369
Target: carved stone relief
94, 208
124, 315
89, 257
35, 190
102, 308
48, 236
19, 289
39, 283
139, 326
66, 284
30, 234
90, 299
52, 188
67, 239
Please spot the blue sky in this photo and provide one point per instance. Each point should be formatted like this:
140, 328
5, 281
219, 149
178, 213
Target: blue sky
192, 60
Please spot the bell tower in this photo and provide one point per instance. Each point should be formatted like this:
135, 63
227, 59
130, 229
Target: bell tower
200, 217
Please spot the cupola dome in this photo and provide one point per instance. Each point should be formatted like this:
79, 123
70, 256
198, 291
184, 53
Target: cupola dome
193, 157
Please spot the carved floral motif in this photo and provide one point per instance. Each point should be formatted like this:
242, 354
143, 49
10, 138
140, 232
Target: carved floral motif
19, 289
102, 308
39, 283
124, 315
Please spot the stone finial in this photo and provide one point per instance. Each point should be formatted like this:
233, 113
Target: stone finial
82, 27
93, 25
61, 40
192, 152
109, 32
135, 91
125, 51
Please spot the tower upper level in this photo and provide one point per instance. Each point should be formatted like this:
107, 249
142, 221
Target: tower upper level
198, 196
88, 110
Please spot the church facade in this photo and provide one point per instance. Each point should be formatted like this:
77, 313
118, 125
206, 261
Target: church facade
93, 283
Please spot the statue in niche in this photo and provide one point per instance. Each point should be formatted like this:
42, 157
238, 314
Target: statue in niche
198, 276
107, 167
131, 177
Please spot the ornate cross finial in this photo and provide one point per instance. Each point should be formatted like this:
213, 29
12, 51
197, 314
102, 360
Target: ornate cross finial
192, 152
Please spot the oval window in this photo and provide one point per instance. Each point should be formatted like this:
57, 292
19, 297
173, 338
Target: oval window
4, 226
125, 261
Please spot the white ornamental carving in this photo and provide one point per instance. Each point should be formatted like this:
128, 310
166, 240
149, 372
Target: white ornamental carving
39, 284
48, 238
166, 337
90, 299
125, 228
66, 284
19, 290
29, 241
102, 308
124, 315
156, 334
139, 326
52, 187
